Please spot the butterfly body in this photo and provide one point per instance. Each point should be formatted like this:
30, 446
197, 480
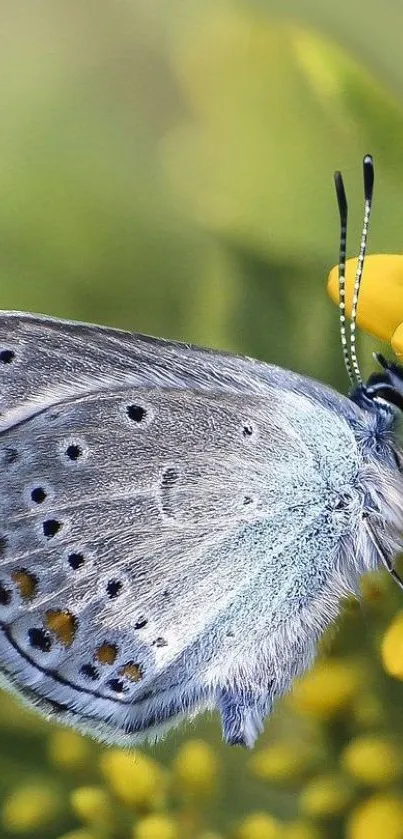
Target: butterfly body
177, 525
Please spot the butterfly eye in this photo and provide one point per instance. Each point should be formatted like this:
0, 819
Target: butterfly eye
247, 430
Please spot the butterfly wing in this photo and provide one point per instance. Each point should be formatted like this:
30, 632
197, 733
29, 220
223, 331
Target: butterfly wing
44, 360
154, 501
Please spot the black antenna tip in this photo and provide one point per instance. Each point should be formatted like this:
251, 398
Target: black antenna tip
341, 197
368, 167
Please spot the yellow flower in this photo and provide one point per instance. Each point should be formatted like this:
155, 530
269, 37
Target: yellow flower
30, 808
301, 830
372, 760
259, 826
381, 297
326, 795
91, 804
327, 690
380, 817
68, 750
156, 827
392, 648
196, 767
281, 762
134, 778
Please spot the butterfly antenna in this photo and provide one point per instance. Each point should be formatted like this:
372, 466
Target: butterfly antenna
343, 213
368, 169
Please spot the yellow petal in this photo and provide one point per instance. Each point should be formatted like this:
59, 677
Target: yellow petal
380, 306
136, 779
372, 760
156, 827
379, 816
69, 750
397, 341
196, 767
392, 648
326, 690
259, 826
91, 804
325, 796
29, 808
280, 762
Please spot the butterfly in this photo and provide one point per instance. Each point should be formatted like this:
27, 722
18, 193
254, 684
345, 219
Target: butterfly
179, 525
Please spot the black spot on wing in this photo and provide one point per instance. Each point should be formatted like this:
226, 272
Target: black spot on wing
7, 356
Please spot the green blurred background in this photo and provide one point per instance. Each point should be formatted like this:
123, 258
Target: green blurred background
167, 168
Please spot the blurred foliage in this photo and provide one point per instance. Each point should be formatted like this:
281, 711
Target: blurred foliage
167, 168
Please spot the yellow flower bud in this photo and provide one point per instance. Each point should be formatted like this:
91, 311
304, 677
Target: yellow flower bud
380, 817
195, 767
281, 762
380, 311
91, 804
372, 760
326, 690
324, 796
30, 808
68, 750
259, 826
134, 778
392, 648
156, 827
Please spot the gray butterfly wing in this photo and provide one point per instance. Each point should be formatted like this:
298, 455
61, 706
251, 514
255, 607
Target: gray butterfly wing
65, 358
152, 497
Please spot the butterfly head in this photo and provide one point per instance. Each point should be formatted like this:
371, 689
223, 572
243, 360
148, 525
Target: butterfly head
383, 392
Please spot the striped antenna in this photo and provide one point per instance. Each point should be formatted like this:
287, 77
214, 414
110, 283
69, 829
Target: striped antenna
368, 167
343, 213
349, 347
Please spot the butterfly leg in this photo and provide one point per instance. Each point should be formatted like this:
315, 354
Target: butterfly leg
242, 715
